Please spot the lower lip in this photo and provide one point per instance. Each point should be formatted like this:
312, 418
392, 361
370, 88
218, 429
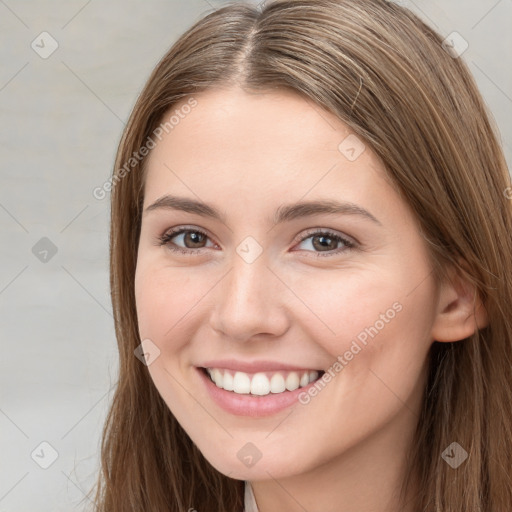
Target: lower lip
251, 405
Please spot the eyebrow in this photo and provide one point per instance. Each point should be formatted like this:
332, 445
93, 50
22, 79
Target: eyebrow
284, 213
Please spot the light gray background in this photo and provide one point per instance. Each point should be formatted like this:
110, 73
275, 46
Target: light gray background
61, 119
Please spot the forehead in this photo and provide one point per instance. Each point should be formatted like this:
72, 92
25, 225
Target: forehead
279, 117
265, 142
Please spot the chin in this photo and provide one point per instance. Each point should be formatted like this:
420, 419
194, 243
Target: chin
241, 467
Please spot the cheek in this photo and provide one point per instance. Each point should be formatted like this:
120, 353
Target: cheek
153, 304
378, 352
371, 318
344, 305
167, 301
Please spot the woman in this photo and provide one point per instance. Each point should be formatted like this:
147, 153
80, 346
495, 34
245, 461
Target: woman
311, 272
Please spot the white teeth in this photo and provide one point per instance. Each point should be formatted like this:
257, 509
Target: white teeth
228, 382
217, 377
260, 384
241, 383
277, 384
292, 381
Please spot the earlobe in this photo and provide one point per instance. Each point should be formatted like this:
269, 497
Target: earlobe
460, 310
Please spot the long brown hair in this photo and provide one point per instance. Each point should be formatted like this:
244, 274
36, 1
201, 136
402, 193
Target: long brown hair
385, 74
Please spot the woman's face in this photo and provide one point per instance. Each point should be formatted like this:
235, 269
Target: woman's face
312, 262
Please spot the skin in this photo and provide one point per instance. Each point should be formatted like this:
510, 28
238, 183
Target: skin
240, 152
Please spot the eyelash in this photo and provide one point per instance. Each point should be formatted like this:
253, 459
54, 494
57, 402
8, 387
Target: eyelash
167, 236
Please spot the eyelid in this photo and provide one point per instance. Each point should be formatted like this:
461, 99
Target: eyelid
178, 230
320, 230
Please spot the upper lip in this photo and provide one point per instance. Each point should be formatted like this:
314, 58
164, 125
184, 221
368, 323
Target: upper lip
253, 366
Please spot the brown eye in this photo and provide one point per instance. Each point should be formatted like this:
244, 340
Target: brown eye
326, 243
193, 239
184, 240
322, 242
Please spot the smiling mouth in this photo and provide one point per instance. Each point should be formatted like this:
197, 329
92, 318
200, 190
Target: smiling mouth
261, 383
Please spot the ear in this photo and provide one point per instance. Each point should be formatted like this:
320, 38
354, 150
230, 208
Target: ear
460, 311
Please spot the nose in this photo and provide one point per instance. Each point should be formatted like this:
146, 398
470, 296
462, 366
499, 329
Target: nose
250, 302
